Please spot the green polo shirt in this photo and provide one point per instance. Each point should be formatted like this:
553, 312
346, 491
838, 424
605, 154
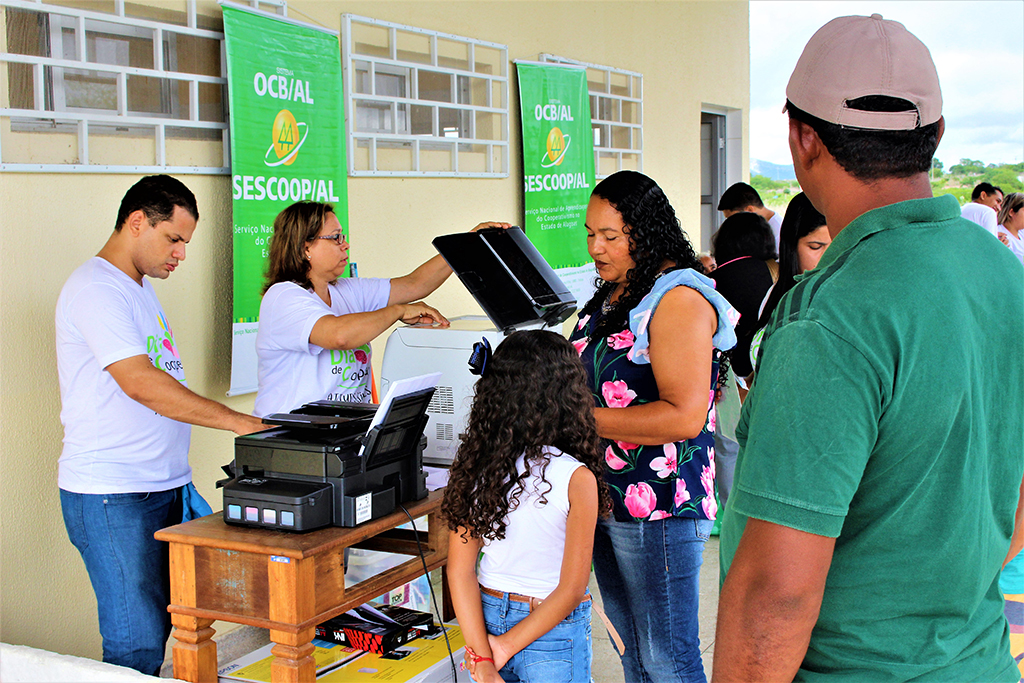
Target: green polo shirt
888, 413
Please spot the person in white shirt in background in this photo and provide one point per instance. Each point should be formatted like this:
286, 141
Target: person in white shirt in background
742, 197
1011, 223
983, 207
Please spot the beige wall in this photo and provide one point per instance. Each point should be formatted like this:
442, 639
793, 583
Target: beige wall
689, 53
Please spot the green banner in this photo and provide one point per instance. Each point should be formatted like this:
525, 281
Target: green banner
287, 145
558, 167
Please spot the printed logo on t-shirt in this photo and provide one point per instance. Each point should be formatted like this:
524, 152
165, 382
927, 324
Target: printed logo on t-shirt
351, 368
162, 350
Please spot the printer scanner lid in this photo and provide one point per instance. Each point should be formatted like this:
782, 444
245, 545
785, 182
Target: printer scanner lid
507, 276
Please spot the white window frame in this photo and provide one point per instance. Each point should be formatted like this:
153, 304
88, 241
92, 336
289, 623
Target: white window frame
81, 119
634, 97
437, 139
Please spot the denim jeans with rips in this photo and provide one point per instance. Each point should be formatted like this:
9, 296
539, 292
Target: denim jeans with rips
128, 569
649, 576
562, 655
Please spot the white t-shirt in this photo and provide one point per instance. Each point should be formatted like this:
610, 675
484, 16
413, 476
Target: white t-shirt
776, 224
528, 560
291, 370
112, 443
1016, 244
985, 216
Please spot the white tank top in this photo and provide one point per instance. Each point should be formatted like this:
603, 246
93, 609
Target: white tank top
528, 560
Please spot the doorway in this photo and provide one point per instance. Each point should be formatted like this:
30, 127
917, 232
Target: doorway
712, 174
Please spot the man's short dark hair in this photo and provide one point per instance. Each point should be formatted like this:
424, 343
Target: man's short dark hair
875, 154
987, 188
156, 196
739, 196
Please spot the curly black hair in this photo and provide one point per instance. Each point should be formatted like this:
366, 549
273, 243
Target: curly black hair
534, 393
655, 237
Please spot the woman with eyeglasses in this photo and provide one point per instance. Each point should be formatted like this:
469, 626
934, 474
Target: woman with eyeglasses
315, 329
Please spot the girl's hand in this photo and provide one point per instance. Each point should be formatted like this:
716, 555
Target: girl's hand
485, 672
481, 668
499, 651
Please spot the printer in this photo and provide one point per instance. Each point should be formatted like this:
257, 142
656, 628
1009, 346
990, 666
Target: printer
329, 463
516, 288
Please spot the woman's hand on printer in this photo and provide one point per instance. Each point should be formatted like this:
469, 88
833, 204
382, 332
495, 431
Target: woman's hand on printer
420, 313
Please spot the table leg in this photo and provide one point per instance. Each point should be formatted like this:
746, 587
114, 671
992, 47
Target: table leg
194, 653
447, 606
293, 657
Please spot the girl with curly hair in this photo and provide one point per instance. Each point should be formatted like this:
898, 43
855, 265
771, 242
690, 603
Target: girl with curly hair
525, 490
650, 340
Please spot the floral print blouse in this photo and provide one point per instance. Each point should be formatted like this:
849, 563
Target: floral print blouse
674, 479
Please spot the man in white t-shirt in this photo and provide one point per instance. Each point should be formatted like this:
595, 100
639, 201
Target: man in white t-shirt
983, 207
741, 197
126, 411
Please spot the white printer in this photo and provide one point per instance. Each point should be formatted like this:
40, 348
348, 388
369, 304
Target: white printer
517, 289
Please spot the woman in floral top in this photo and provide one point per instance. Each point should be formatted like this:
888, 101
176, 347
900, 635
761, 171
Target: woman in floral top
650, 339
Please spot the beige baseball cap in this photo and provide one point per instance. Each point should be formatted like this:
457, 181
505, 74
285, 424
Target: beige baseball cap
852, 57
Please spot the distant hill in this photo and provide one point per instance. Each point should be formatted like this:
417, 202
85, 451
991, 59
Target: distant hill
773, 171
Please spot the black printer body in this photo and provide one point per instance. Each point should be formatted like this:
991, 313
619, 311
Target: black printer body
324, 465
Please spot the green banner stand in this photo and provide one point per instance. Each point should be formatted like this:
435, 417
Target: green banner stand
558, 168
287, 145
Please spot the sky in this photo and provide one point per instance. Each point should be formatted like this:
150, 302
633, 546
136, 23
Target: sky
977, 46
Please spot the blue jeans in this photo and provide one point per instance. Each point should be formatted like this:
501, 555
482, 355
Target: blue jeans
649, 576
128, 569
562, 655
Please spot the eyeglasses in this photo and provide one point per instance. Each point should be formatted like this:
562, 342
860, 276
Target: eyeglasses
338, 238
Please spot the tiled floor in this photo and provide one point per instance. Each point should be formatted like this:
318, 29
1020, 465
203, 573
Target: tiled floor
606, 667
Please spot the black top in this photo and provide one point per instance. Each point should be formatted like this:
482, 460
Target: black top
744, 284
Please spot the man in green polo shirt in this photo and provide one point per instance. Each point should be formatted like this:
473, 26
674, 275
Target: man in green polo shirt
882, 446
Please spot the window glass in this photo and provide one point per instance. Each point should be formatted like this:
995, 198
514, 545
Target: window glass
616, 113
429, 91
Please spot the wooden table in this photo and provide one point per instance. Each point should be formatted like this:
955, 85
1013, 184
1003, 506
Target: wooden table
284, 582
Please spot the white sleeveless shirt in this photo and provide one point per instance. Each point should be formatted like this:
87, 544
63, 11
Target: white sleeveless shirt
528, 560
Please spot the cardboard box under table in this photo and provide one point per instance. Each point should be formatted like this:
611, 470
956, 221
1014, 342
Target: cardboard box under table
426, 661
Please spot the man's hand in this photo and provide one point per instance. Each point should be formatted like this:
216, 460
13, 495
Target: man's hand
248, 424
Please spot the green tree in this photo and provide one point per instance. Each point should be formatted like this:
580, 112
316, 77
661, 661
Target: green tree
763, 183
967, 167
1003, 177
